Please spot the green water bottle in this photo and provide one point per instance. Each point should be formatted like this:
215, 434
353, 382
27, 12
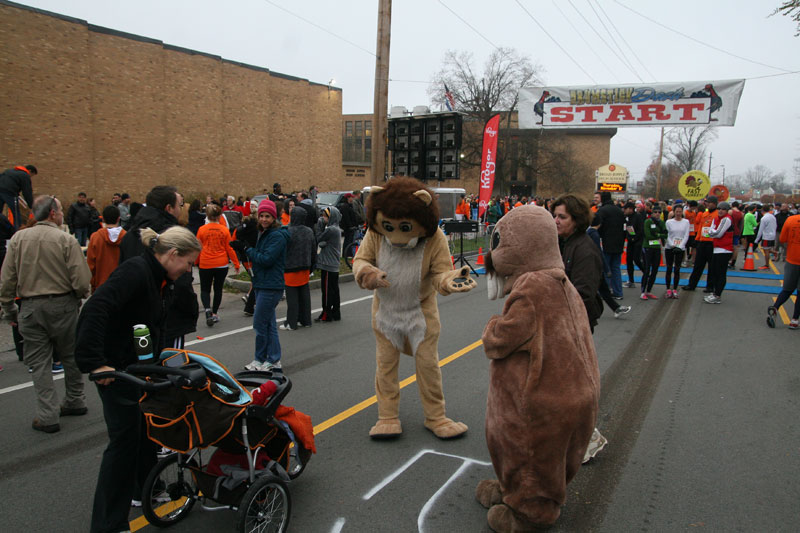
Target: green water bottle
143, 343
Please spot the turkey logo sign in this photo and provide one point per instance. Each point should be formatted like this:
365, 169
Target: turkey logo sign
604, 106
694, 185
721, 192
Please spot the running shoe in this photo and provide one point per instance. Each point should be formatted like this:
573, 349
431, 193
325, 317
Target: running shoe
58, 368
209, 318
215, 318
629, 285
271, 367
248, 313
668, 294
712, 299
286, 327
254, 366
622, 310
763, 267
674, 294
771, 312
651, 296
643, 296
618, 297
794, 324
596, 444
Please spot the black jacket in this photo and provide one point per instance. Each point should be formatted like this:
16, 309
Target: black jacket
583, 265
349, 221
611, 220
636, 221
14, 181
301, 254
132, 295
196, 219
311, 214
184, 310
79, 216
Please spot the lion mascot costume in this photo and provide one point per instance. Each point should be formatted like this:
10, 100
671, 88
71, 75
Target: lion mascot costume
405, 259
544, 383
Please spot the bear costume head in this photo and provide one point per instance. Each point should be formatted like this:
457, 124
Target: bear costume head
524, 240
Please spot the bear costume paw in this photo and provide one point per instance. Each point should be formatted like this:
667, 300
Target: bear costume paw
444, 428
386, 429
503, 520
488, 493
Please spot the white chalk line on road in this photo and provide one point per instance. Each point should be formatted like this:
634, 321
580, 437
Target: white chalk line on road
28, 384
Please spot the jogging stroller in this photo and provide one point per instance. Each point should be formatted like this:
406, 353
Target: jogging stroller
191, 402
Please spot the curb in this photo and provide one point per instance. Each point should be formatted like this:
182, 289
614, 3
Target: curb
244, 286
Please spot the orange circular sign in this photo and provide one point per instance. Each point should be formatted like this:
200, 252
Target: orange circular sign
721, 192
612, 168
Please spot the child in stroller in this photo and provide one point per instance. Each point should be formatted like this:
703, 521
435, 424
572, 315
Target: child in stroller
191, 402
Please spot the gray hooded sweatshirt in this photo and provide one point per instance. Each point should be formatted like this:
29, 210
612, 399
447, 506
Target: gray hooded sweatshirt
329, 241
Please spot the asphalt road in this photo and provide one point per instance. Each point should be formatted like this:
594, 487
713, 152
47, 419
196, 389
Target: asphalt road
699, 405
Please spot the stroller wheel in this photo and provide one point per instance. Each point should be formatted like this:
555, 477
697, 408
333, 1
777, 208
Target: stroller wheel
298, 459
265, 507
169, 492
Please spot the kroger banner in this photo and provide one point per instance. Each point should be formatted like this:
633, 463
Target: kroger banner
657, 104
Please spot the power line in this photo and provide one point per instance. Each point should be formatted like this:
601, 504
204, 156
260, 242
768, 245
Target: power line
699, 41
555, 41
589, 46
621, 36
597, 33
610, 34
320, 28
469, 25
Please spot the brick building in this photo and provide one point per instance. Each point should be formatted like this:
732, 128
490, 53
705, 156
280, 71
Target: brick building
103, 111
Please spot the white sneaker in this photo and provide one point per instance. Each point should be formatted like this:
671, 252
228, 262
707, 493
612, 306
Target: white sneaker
596, 443
254, 366
621, 310
269, 367
286, 327
712, 299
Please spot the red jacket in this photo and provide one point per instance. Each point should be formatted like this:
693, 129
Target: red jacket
102, 254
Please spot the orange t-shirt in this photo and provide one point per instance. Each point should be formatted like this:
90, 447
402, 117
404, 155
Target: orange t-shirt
790, 234
705, 222
690, 215
296, 279
216, 251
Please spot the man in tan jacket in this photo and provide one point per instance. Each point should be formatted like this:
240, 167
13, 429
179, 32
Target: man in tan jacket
45, 268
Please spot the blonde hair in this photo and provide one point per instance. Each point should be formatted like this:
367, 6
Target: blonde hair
175, 237
213, 211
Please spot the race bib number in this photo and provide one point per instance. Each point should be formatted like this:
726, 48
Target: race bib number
676, 241
706, 230
631, 231
655, 242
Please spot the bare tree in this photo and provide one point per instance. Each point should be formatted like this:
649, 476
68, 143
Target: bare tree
481, 94
758, 177
791, 9
686, 147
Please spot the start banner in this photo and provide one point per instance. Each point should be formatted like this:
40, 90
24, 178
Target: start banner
606, 106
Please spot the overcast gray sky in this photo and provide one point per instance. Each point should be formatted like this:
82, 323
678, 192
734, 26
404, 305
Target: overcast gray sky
337, 40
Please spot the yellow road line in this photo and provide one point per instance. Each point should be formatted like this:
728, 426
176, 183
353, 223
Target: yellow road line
774, 268
141, 521
782, 312
344, 415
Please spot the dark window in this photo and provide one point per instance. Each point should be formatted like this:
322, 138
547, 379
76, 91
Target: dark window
359, 129
368, 149
348, 129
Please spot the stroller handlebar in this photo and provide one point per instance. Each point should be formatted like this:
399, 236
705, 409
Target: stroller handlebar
174, 376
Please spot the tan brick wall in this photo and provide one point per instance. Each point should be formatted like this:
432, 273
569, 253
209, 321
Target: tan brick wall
102, 112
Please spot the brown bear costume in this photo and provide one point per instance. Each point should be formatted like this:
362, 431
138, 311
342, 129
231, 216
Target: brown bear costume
405, 259
544, 380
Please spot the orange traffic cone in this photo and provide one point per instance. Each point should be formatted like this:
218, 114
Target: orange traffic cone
749, 263
453, 261
624, 260
662, 261
480, 257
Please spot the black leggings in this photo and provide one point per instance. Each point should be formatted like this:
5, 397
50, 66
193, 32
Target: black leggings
330, 296
652, 260
719, 267
207, 275
633, 257
673, 257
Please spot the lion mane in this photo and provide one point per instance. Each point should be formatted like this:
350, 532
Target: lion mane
397, 200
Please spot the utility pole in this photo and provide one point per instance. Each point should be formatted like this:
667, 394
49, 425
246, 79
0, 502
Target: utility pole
381, 97
710, 155
658, 168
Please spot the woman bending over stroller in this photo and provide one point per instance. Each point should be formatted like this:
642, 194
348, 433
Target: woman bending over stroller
137, 292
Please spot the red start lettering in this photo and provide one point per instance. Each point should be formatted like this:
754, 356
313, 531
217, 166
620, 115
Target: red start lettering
620, 112
688, 110
589, 111
561, 114
652, 112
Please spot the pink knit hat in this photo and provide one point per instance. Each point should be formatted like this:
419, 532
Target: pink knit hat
268, 206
